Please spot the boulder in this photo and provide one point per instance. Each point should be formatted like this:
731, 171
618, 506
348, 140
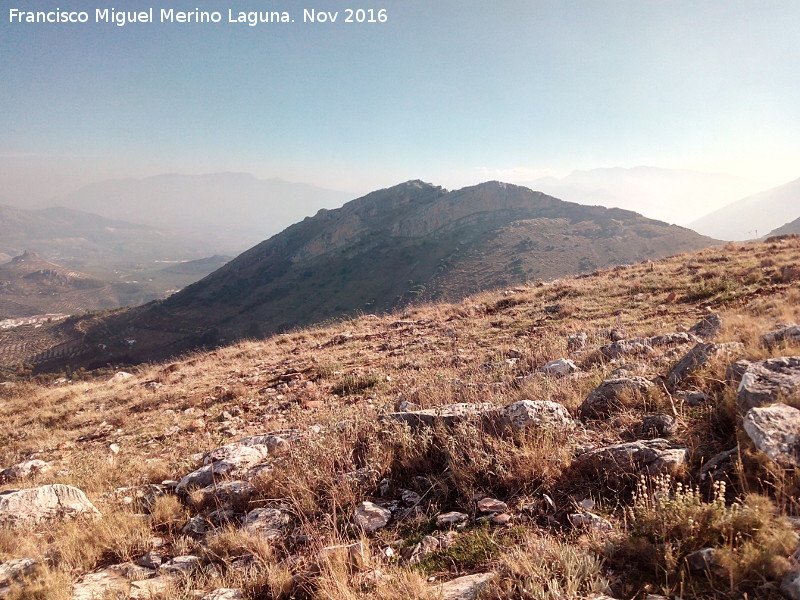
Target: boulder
536, 413
238, 459
775, 430
21, 470
698, 357
736, 370
269, 522
467, 587
708, 327
768, 381
45, 503
447, 415
225, 493
106, 583
608, 396
657, 426
643, 456
560, 368
427, 546
789, 334
370, 517
790, 585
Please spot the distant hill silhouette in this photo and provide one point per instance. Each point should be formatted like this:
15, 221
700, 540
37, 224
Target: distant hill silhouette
232, 211
754, 216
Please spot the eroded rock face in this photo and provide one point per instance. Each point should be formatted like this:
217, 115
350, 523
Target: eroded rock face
768, 381
608, 396
45, 503
775, 430
536, 413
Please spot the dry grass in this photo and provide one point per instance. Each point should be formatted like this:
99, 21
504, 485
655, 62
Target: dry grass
341, 376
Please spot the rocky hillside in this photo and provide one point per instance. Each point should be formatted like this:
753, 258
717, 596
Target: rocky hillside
408, 244
626, 434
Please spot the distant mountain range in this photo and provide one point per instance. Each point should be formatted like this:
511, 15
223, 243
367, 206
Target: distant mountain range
754, 216
671, 195
86, 241
231, 211
410, 243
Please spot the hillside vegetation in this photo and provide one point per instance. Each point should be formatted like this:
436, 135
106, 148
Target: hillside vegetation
300, 466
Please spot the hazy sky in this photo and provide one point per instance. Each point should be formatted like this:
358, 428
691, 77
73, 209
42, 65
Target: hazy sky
452, 92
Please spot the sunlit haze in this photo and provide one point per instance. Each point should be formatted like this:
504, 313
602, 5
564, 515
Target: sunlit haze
450, 92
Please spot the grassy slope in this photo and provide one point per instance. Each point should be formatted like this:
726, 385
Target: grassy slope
432, 355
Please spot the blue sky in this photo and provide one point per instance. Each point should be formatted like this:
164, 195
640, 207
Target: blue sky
450, 92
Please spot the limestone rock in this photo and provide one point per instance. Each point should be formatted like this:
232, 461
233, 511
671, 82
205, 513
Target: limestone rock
180, 565
121, 376
106, 583
224, 594
354, 554
560, 368
790, 585
225, 493
467, 587
34, 505
13, 570
736, 370
591, 521
23, 469
708, 327
696, 358
447, 415
786, 334
769, 381
370, 517
657, 426
650, 456
608, 395
576, 342
237, 459
629, 347
775, 430
269, 522
451, 518
427, 546
537, 413
492, 505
